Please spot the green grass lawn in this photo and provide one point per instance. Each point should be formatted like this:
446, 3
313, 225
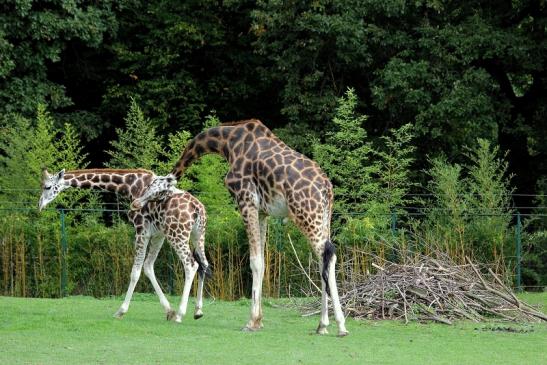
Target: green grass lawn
81, 330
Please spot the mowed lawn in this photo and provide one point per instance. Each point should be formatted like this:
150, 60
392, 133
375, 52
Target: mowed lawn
81, 330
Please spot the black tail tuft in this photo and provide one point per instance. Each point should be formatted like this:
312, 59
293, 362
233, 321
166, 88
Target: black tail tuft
328, 252
202, 269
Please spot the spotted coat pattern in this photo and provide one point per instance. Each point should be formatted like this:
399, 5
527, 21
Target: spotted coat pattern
267, 178
180, 218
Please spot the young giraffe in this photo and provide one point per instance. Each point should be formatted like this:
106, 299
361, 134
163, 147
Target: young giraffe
266, 177
179, 218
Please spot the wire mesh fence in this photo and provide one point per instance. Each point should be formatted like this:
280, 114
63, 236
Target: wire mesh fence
60, 254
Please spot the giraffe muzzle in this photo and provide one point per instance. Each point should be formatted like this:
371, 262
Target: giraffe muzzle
136, 204
41, 204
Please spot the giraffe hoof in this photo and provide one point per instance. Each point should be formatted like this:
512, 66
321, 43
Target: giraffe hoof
249, 329
119, 314
170, 315
198, 315
321, 330
343, 333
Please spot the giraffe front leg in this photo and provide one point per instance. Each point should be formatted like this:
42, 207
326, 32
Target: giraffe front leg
141, 241
252, 224
324, 321
155, 248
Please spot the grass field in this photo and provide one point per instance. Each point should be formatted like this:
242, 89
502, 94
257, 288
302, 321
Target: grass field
81, 330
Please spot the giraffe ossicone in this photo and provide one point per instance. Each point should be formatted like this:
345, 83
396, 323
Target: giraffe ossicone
267, 178
179, 217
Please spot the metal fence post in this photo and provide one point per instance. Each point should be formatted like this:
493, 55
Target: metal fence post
64, 250
518, 255
171, 268
394, 223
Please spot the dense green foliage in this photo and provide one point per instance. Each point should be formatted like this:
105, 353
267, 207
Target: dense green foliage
455, 70
391, 98
468, 213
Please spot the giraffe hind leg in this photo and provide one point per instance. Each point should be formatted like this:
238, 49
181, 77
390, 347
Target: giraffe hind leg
203, 272
180, 242
328, 252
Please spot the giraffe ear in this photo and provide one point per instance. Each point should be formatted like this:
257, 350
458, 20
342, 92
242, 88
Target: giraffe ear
61, 174
45, 173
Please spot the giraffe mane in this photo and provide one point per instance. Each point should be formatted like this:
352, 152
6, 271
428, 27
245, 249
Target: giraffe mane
239, 122
112, 171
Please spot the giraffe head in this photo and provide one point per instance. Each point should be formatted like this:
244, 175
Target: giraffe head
52, 185
158, 189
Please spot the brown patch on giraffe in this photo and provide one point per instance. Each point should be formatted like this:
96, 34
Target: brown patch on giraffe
237, 134
130, 178
213, 133
212, 145
253, 150
278, 159
309, 173
279, 173
292, 175
238, 148
270, 163
117, 179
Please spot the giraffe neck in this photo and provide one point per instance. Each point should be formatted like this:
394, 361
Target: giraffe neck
230, 140
213, 140
129, 183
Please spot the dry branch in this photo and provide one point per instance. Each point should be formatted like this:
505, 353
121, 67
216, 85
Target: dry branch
429, 288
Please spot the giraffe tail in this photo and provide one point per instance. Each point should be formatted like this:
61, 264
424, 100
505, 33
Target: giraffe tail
328, 252
204, 268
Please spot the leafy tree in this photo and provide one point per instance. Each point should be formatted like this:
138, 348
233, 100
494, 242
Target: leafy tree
33, 39
347, 158
370, 180
137, 145
395, 157
490, 197
470, 211
457, 70
183, 58
29, 147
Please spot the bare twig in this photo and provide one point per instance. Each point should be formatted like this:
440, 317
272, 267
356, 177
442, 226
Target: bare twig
427, 288
300, 264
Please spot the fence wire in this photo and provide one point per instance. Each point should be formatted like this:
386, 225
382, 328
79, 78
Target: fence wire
397, 216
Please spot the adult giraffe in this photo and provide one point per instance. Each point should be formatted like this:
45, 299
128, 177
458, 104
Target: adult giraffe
179, 218
266, 177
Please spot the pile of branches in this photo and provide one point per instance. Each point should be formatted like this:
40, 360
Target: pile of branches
429, 289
